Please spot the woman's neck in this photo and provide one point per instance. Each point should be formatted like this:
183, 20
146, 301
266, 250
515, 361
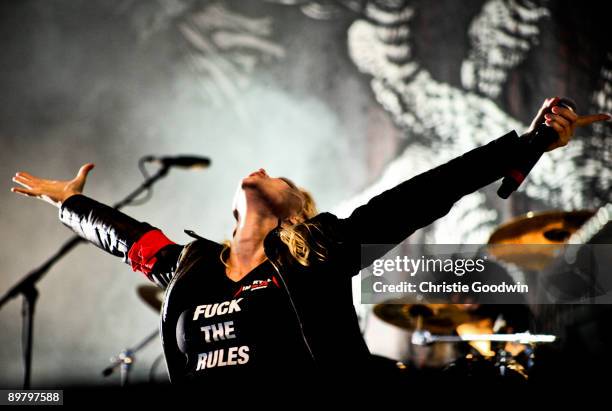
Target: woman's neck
247, 246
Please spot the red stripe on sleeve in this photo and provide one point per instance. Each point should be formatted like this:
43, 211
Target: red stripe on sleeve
142, 253
517, 176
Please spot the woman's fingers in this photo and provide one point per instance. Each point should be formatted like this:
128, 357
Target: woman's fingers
559, 119
558, 127
23, 181
25, 192
78, 183
84, 170
551, 102
592, 118
51, 191
23, 175
26, 175
543, 110
565, 112
563, 120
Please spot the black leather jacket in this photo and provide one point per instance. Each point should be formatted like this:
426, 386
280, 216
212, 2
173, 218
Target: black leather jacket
334, 340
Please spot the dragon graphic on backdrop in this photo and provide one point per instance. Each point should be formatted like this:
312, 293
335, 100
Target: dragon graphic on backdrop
457, 119
439, 120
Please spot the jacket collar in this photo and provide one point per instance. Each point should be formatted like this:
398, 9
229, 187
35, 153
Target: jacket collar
270, 241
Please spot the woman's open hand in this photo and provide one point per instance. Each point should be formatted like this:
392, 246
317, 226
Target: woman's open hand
52, 191
563, 120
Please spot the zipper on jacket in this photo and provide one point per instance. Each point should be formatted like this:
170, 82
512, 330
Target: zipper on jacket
297, 315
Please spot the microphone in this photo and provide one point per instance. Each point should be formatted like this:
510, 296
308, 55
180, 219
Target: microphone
179, 161
542, 137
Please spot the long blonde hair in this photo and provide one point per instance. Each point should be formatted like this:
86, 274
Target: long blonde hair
298, 235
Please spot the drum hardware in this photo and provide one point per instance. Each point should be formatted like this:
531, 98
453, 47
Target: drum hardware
424, 337
494, 355
153, 297
125, 360
482, 327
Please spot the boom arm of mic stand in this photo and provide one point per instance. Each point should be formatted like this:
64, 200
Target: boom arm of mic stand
126, 357
27, 285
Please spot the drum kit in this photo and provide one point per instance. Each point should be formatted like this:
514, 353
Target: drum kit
486, 346
486, 352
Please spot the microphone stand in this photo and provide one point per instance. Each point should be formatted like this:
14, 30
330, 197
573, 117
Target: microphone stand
126, 359
27, 285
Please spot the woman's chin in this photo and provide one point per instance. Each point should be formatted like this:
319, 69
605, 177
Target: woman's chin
249, 182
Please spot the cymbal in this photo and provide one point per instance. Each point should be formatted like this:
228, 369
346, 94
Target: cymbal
151, 296
484, 326
533, 240
435, 318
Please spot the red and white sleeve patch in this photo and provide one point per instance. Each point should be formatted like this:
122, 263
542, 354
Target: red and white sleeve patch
142, 253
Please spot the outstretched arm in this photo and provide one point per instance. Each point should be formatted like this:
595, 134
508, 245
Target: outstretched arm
144, 247
393, 215
396, 213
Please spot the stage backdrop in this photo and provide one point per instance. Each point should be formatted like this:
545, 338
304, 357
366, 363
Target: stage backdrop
347, 98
